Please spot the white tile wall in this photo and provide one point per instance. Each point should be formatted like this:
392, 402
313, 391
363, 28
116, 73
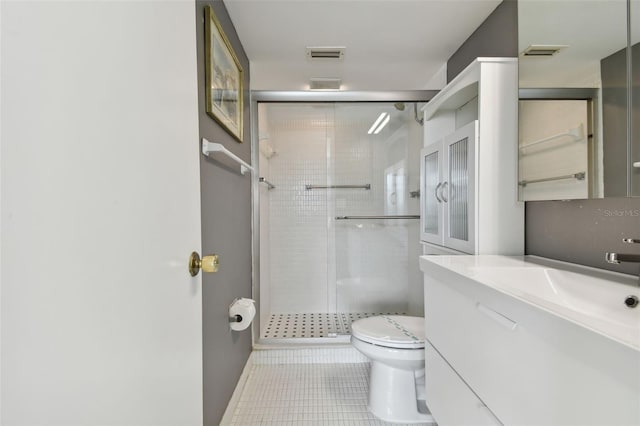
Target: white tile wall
298, 228
335, 355
266, 152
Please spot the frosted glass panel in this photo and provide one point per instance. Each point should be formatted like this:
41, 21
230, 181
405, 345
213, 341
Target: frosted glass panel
457, 190
432, 178
372, 256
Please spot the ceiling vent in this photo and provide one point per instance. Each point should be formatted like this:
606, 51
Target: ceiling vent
325, 84
325, 53
542, 50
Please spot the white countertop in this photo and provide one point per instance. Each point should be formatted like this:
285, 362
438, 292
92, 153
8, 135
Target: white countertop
589, 297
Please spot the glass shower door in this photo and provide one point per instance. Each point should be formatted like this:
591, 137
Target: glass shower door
373, 238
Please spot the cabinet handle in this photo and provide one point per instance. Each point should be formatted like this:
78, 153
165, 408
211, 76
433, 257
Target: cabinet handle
497, 317
437, 189
444, 187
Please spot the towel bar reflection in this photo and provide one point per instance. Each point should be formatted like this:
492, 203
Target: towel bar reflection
576, 134
577, 176
408, 216
269, 184
211, 147
365, 186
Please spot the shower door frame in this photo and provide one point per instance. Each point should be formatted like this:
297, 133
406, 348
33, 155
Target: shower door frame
258, 96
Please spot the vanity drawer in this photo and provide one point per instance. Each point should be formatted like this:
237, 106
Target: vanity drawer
449, 399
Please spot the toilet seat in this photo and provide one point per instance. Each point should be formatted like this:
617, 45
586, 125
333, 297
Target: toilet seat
391, 331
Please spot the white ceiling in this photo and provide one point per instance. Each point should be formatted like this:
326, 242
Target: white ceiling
592, 30
390, 44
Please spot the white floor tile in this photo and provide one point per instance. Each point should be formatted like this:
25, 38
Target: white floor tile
306, 394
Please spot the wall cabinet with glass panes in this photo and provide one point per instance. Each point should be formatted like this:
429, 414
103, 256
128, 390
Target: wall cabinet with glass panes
469, 164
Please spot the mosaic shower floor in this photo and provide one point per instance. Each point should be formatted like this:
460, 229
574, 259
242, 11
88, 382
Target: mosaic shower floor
313, 325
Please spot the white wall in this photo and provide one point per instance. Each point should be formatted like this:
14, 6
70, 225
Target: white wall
101, 323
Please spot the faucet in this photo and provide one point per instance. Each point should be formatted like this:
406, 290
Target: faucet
618, 258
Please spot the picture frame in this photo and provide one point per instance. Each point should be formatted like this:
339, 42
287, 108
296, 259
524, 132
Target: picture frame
224, 78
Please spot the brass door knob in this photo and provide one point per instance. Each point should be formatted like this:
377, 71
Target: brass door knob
209, 263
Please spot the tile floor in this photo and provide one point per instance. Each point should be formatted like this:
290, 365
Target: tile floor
314, 387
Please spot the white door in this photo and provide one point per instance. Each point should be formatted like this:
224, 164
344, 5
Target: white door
101, 322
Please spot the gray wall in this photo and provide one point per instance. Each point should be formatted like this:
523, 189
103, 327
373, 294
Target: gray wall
579, 231
226, 230
496, 37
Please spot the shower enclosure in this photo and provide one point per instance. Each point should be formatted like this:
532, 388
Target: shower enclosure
338, 207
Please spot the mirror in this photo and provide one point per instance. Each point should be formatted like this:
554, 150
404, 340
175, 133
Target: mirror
634, 146
575, 120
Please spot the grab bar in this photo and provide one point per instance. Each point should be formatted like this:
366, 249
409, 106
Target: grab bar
411, 216
365, 186
269, 184
210, 147
577, 176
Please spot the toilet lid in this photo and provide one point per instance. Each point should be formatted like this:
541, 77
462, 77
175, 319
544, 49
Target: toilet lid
393, 331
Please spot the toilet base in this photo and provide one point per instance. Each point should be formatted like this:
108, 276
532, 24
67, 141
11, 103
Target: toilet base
392, 395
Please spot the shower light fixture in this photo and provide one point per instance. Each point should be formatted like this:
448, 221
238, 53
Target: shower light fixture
380, 122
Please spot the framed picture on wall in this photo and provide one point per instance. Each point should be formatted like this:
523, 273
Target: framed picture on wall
224, 77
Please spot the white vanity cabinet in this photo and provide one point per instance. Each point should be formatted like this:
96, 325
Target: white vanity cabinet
469, 176
453, 401
515, 364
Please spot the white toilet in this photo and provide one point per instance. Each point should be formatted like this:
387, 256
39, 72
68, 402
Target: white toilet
395, 346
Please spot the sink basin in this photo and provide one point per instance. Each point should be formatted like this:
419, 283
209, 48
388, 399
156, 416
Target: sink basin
586, 296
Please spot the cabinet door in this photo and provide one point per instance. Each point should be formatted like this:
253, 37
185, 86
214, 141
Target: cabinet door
458, 191
431, 214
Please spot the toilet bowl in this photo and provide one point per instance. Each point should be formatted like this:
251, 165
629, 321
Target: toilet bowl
395, 346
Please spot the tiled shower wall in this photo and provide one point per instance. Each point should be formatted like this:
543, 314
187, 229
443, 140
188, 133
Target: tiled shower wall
297, 233
318, 264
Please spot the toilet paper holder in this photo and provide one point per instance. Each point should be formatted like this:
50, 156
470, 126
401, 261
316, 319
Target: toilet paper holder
241, 313
235, 318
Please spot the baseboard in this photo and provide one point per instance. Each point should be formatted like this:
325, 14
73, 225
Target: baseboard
237, 392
